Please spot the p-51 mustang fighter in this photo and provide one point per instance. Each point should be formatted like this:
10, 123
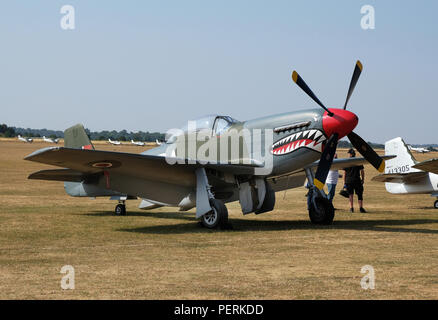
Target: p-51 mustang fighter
298, 139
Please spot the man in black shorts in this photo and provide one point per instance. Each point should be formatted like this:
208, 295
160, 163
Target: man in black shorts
354, 179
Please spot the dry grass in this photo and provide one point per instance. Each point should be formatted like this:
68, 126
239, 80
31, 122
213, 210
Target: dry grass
164, 254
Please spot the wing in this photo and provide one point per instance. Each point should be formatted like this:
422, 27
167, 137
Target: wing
430, 165
150, 167
400, 177
339, 164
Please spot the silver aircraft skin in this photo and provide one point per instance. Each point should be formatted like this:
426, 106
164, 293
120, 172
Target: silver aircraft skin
405, 175
301, 145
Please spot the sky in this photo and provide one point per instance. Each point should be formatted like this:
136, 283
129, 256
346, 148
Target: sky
153, 65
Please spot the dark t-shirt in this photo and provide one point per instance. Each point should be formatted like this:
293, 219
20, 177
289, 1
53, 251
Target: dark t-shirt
352, 174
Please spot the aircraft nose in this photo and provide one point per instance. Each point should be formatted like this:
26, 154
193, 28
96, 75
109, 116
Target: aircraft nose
342, 122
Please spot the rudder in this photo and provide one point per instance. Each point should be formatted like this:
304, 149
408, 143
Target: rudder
404, 158
75, 137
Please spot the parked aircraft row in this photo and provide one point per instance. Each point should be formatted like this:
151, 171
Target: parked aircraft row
50, 140
117, 143
44, 138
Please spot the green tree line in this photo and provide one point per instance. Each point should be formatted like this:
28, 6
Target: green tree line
123, 135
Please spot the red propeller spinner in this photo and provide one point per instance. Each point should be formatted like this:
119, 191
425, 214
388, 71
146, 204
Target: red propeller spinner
341, 122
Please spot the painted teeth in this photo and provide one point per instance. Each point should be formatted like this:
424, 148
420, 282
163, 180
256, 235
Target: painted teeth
298, 140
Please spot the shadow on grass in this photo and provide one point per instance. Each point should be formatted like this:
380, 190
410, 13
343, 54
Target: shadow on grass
243, 225
161, 215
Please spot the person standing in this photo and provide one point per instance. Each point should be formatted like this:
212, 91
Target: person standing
332, 181
354, 179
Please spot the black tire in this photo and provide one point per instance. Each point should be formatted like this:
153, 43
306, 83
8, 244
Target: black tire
268, 202
435, 204
324, 213
218, 217
120, 210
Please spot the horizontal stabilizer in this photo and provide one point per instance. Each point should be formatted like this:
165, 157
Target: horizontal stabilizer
339, 164
58, 175
430, 165
400, 177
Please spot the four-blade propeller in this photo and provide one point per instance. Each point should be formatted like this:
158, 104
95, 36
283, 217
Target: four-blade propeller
330, 148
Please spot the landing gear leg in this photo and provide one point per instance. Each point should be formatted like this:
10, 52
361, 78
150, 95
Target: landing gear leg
213, 212
321, 210
120, 209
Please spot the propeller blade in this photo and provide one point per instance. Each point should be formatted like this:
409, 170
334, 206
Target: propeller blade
356, 74
366, 151
300, 82
326, 161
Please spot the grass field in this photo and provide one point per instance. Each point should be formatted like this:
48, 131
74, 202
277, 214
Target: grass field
165, 254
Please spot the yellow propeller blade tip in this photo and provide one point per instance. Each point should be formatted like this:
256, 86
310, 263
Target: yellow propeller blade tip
359, 64
295, 76
382, 167
318, 184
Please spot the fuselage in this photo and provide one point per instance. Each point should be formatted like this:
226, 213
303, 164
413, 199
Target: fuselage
297, 138
425, 185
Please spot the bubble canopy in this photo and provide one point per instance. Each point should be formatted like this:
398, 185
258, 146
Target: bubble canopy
214, 122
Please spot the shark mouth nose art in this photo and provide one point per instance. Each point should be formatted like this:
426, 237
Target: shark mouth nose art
311, 139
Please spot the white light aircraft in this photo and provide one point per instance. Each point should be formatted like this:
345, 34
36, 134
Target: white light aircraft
24, 139
50, 140
405, 175
419, 150
114, 142
137, 143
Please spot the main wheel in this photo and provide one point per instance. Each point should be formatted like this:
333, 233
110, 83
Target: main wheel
268, 202
217, 217
323, 213
120, 210
435, 204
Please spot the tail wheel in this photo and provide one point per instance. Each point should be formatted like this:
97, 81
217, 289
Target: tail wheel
217, 217
323, 213
435, 204
120, 210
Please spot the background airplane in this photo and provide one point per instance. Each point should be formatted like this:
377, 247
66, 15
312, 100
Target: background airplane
24, 139
300, 139
419, 150
137, 143
50, 140
404, 174
114, 142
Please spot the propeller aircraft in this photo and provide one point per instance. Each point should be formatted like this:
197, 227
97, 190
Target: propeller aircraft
301, 142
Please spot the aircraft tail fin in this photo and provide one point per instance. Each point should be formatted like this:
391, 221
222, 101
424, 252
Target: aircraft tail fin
404, 158
75, 137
